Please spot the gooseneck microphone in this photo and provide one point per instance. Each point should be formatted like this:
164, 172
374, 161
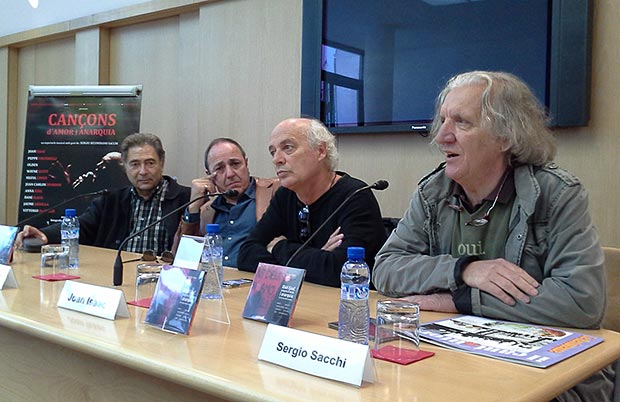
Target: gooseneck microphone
378, 185
118, 263
105, 191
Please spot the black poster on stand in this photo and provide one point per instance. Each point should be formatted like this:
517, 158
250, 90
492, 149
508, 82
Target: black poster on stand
73, 134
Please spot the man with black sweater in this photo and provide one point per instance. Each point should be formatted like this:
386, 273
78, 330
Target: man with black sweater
304, 154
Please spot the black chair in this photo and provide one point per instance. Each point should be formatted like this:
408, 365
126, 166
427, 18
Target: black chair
390, 224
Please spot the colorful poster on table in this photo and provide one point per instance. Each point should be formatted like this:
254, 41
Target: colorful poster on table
73, 134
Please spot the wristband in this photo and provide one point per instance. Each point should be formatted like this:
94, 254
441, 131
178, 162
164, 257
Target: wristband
191, 218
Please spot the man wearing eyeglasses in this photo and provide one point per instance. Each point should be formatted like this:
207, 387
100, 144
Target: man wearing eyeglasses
304, 154
112, 218
227, 168
498, 230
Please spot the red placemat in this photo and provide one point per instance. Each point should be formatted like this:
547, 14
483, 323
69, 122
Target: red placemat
56, 277
400, 356
146, 303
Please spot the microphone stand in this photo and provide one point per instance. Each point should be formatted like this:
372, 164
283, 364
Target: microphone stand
77, 197
118, 263
378, 185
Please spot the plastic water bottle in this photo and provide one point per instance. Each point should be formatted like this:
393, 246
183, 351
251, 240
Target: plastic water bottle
212, 263
70, 236
354, 314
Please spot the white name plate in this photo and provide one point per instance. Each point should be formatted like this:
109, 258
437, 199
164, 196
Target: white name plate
7, 277
94, 300
318, 355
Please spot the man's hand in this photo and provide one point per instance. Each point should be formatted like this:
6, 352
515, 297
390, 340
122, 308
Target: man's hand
273, 243
502, 279
335, 239
29, 231
441, 302
200, 187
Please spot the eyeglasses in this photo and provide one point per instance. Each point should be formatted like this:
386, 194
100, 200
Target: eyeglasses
304, 217
478, 222
149, 255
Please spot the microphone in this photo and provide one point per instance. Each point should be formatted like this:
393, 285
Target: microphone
378, 185
105, 191
118, 263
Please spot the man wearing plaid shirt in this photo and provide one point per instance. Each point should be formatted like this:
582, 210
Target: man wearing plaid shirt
112, 218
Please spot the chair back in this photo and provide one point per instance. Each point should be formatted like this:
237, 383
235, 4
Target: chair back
390, 224
611, 320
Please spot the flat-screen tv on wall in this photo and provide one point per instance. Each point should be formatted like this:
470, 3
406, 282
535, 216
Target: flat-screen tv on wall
378, 66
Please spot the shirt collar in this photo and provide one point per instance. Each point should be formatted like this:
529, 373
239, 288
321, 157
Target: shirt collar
157, 191
508, 191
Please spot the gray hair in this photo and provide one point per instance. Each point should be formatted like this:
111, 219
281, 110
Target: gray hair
139, 139
317, 133
510, 111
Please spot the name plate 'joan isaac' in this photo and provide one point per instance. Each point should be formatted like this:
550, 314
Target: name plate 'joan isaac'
318, 355
94, 300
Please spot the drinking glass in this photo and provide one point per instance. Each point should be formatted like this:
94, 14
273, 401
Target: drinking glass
396, 328
147, 275
54, 256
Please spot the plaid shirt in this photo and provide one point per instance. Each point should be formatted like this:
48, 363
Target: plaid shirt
143, 213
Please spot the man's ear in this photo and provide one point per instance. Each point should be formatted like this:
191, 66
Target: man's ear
322, 150
504, 146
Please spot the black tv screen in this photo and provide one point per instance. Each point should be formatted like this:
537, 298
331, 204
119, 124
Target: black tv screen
377, 66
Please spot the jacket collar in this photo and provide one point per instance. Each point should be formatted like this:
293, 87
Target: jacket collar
527, 188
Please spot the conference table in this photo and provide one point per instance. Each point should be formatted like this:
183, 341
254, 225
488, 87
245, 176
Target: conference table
54, 354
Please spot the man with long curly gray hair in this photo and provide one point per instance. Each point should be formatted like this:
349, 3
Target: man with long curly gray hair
498, 230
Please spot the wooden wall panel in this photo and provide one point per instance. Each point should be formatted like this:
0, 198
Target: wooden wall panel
8, 125
155, 54
251, 58
92, 50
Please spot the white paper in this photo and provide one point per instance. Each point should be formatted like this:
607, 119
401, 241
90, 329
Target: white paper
318, 355
94, 300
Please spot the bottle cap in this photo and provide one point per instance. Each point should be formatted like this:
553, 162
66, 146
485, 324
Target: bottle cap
69, 212
355, 253
213, 228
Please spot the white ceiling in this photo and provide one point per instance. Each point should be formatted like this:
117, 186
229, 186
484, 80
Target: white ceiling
18, 15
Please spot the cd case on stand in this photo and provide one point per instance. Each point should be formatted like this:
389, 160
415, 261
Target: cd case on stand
175, 299
7, 238
274, 293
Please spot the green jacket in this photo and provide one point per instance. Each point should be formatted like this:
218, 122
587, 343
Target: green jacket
551, 236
